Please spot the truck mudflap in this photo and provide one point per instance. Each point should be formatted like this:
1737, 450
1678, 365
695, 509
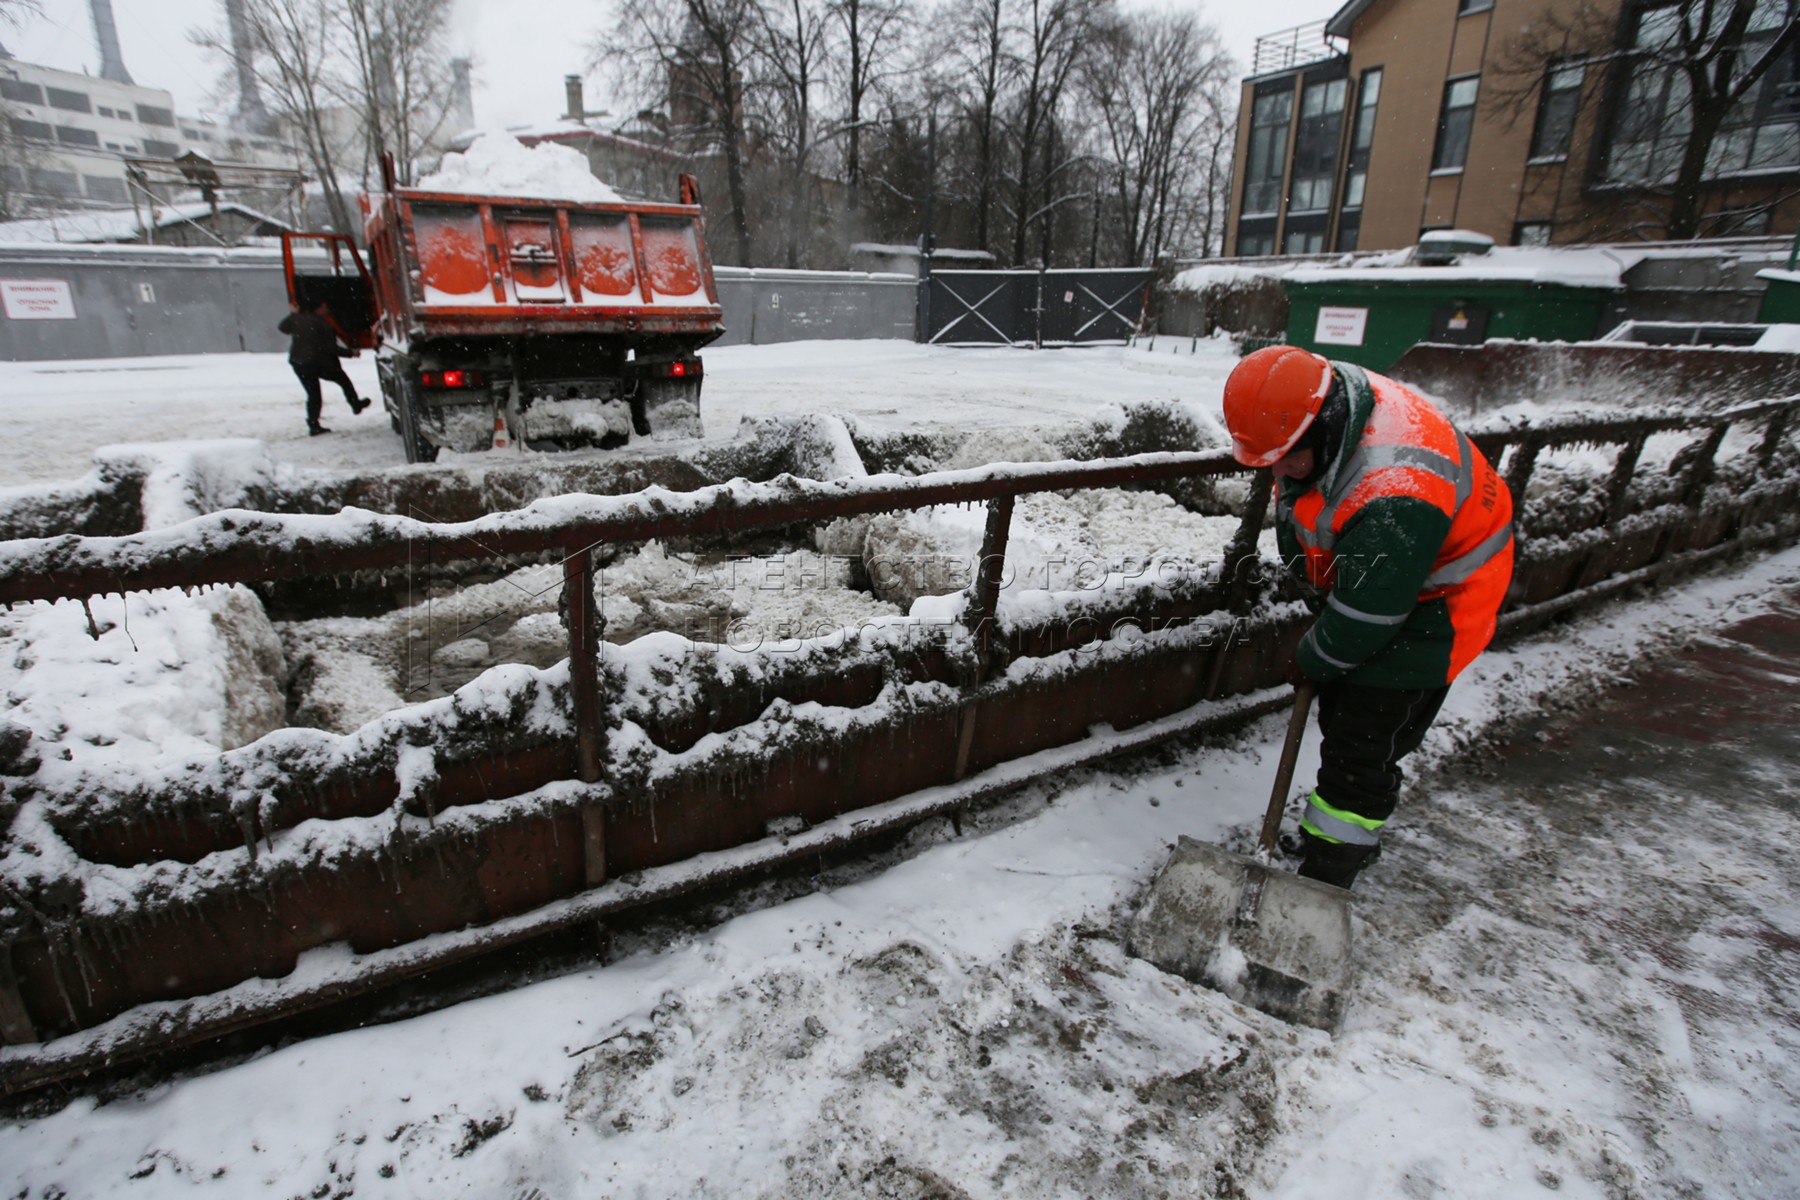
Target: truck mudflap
667, 400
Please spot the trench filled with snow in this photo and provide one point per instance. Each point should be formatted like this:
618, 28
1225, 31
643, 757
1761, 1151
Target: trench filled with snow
1559, 989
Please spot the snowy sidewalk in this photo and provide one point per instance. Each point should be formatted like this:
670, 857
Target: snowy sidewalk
1582, 960
1577, 974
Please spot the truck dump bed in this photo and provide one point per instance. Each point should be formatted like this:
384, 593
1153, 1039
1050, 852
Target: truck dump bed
452, 265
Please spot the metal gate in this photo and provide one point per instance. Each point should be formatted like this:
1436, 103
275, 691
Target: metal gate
1035, 308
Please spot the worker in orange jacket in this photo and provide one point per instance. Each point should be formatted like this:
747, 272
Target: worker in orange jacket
1401, 531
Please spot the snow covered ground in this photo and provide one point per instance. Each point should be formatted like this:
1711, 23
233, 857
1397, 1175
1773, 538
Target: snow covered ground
1579, 983
57, 413
1551, 998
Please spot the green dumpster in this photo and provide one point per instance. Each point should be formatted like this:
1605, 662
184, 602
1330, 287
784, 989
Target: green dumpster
1371, 315
1781, 302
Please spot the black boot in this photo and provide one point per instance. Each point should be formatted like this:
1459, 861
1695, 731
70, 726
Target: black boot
1335, 863
315, 429
357, 404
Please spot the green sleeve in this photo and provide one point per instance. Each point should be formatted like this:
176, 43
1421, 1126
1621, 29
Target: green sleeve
1383, 556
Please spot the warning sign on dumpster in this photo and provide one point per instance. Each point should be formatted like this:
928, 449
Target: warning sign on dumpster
37, 299
1340, 326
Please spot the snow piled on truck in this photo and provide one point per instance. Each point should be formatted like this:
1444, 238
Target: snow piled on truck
497, 164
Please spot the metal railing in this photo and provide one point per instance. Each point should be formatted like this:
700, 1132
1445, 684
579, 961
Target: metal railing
1290, 48
589, 826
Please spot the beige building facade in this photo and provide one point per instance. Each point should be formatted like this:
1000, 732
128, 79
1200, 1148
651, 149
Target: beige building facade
1396, 117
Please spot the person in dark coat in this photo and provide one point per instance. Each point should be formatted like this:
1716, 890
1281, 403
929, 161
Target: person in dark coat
314, 354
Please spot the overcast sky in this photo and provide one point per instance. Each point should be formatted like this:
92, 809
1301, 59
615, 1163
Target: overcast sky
521, 48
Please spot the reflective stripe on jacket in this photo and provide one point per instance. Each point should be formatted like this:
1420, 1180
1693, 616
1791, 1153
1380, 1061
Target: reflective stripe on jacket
1409, 529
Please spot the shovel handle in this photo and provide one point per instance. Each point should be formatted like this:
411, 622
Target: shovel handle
1284, 770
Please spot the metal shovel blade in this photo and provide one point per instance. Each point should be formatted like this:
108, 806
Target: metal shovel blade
1262, 936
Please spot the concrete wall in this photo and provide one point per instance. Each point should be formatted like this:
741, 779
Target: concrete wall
766, 305
149, 300
139, 300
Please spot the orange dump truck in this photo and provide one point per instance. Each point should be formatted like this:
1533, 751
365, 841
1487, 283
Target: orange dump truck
545, 323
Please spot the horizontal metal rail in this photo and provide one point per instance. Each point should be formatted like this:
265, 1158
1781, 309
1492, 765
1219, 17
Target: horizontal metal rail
245, 547
981, 730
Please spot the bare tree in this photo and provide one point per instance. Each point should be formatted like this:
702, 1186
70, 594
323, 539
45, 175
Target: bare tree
691, 55
1686, 78
1154, 84
401, 81
790, 63
14, 12
20, 158
870, 35
1054, 36
292, 52
974, 73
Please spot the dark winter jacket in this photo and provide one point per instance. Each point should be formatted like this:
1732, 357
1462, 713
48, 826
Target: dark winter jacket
315, 342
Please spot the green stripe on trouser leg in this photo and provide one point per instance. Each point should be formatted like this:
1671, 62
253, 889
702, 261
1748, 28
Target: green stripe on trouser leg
1337, 825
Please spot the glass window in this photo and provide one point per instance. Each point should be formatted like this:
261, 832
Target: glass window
1316, 143
20, 92
103, 187
68, 135
156, 116
1531, 233
1251, 245
38, 131
156, 149
1362, 137
1465, 7
1557, 107
1649, 131
62, 184
68, 101
1269, 117
1455, 121
1304, 241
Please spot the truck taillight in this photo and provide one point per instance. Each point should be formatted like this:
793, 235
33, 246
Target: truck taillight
454, 379
681, 368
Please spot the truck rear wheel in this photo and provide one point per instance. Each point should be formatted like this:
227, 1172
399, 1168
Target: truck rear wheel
419, 448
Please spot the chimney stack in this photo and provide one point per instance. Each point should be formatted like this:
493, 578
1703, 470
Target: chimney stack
572, 87
106, 34
462, 95
250, 113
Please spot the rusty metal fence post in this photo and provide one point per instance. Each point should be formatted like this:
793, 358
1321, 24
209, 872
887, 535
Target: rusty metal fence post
586, 624
982, 614
584, 660
1240, 551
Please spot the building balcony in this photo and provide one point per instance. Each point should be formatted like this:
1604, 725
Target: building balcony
1291, 48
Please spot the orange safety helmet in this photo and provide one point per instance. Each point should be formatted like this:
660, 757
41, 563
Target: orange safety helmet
1271, 398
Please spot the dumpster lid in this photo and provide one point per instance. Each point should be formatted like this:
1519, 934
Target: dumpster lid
1440, 246
1572, 267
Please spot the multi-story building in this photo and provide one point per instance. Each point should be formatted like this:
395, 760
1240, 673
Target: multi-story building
70, 134
1531, 121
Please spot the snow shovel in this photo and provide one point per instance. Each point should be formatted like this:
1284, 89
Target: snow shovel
1243, 927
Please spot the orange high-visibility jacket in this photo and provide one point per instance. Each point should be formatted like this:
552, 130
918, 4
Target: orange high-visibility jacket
1408, 531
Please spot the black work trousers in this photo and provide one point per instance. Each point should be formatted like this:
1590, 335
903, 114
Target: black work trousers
1366, 732
310, 374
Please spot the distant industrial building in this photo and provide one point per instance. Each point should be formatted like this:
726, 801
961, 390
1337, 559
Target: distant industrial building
75, 141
